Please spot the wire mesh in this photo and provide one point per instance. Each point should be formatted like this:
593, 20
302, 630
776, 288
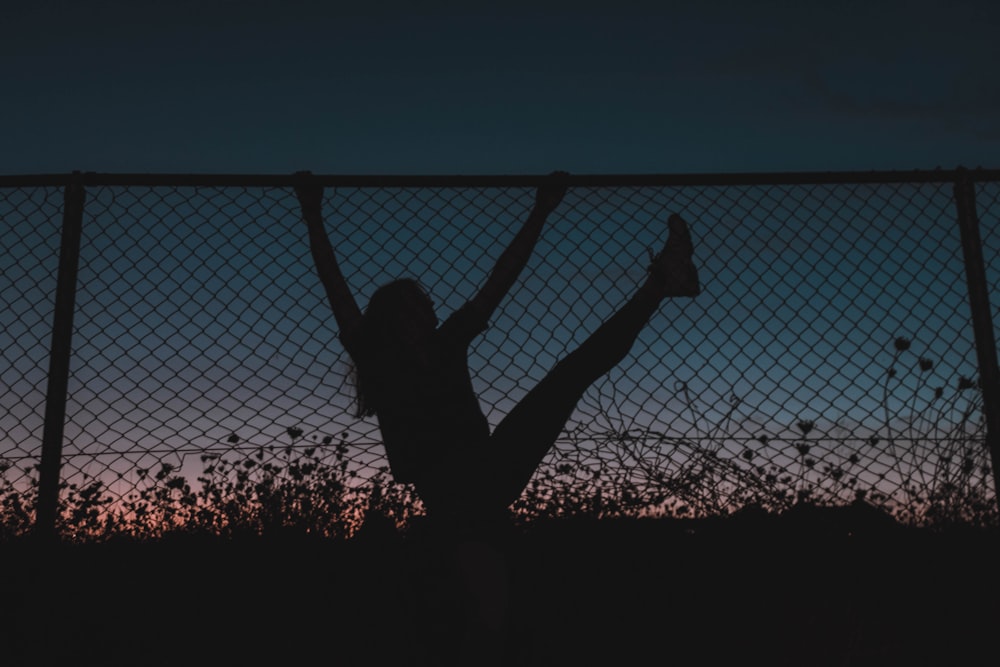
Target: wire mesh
829, 357
30, 247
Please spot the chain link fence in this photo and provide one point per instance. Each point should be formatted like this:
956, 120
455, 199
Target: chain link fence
830, 357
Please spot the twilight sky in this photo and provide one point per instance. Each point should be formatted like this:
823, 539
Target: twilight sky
226, 86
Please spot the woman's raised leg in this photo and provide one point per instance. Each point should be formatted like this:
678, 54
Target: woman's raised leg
524, 437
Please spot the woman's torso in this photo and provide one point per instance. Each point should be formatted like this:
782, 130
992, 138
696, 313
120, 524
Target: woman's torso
427, 409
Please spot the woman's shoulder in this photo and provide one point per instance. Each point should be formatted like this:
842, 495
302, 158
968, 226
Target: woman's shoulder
462, 325
352, 339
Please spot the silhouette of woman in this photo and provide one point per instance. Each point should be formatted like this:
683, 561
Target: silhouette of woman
412, 372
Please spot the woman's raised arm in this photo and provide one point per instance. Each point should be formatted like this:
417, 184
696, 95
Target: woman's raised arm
345, 308
510, 263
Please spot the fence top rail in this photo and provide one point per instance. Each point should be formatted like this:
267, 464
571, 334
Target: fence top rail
500, 180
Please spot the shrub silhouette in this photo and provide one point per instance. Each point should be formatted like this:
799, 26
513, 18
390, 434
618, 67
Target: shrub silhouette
306, 486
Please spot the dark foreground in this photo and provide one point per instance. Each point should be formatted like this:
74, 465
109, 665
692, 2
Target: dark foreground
819, 588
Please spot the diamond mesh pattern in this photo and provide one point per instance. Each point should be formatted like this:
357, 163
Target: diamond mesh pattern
29, 246
829, 357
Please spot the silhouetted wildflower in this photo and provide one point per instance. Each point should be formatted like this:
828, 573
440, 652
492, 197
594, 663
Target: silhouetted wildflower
902, 344
294, 432
925, 364
233, 439
802, 449
938, 392
805, 426
965, 383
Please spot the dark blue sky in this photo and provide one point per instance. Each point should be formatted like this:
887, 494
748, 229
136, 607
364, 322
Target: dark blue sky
464, 87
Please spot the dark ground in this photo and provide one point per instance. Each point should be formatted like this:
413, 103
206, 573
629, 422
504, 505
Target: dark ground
816, 587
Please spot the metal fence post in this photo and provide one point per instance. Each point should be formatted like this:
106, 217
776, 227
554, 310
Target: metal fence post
982, 321
59, 358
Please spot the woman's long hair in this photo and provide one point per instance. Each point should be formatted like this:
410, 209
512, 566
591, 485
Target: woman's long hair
391, 341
